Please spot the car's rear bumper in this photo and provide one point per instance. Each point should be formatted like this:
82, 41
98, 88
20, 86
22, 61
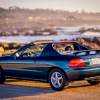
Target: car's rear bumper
82, 73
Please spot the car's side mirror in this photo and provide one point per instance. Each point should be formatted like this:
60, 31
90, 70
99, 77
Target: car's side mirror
17, 55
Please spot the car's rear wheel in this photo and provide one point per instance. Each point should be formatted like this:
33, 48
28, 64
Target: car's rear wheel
2, 76
93, 82
57, 80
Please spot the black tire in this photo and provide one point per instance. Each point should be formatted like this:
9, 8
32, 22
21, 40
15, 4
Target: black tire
2, 76
93, 82
63, 80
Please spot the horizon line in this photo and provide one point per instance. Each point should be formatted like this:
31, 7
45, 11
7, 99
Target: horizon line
53, 9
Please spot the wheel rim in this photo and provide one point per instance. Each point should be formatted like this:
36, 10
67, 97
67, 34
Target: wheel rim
57, 79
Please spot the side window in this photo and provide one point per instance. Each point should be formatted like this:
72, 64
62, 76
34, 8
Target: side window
64, 47
69, 47
32, 51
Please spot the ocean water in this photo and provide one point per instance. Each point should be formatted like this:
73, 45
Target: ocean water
28, 39
68, 33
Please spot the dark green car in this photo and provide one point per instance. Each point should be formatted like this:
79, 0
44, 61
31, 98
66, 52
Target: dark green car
57, 63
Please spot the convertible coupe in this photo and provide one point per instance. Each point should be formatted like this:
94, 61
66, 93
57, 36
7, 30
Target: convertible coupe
57, 63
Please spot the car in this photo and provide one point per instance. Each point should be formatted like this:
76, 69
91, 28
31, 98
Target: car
57, 63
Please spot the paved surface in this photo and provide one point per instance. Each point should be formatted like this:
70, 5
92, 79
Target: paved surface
32, 90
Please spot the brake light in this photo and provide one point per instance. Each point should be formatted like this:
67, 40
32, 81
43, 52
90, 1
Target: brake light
77, 63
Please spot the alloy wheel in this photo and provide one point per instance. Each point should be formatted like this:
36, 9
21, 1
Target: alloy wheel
56, 79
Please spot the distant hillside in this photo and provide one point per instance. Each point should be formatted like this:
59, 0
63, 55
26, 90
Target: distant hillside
15, 17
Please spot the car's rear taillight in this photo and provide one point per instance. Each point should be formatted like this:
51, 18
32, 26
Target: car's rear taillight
77, 63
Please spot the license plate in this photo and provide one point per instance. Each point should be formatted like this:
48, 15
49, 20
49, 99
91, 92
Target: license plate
95, 61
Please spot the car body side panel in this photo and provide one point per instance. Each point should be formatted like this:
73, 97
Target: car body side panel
20, 67
82, 73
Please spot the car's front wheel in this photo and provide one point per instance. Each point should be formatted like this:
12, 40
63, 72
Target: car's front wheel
2, 76
93, 82
57, 80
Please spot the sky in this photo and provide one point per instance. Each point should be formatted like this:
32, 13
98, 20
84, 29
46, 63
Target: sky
71, 5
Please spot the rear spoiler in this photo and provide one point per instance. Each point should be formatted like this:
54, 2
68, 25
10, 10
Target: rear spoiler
87, 52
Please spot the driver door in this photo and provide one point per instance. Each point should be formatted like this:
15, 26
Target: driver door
22, 63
